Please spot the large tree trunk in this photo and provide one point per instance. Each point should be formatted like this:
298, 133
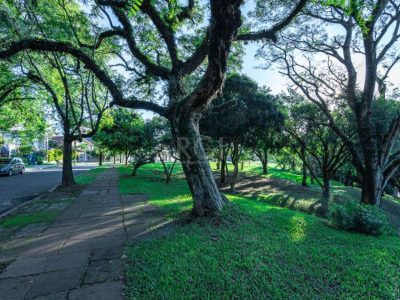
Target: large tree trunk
207, 199
372, 186
372, 175
67, 173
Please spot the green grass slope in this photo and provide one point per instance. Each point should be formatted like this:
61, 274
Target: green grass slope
254, 250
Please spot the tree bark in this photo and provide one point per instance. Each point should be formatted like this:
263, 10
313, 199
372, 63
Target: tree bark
264, 166
134, 170
324, 208
100, 158
265, 162
223, 168
67, 173
207, 199
235, 154
304, 166
372, 187
263, 157
304, 172
372, 175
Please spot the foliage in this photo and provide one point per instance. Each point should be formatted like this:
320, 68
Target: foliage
353, 216
55, 155
127, 132
135, 7
245, 117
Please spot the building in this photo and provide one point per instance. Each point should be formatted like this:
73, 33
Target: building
83, 148
10, 143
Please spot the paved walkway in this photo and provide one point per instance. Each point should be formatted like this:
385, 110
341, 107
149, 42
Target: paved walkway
80, 256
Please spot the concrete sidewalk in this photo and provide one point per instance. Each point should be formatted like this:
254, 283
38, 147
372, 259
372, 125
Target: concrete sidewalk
80, 256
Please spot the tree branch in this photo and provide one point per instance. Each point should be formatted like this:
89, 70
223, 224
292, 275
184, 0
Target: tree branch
270, 34
46, 45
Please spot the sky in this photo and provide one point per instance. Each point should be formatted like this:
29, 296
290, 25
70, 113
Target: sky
272, 79
279, 83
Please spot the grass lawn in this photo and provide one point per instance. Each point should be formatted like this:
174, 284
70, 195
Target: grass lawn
30, 218
254, 250
89, 176
174, 198
284, 189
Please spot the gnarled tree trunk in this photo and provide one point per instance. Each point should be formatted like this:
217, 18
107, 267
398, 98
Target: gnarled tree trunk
207, 199
372, 186
372, 176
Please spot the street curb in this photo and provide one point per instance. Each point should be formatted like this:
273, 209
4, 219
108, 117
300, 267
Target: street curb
6, 213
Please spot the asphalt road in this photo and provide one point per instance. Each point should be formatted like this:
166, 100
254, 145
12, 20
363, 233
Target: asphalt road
17, 189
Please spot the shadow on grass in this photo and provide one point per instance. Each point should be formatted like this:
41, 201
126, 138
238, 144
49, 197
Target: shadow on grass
262, 251
173, 198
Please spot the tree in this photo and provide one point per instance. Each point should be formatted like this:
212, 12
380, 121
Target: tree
316, 143
55, 155
151, 46
127, 132
77, 98
23, 117
370, 30
226, 120
143, 149
266, 121
240, 120
165, 146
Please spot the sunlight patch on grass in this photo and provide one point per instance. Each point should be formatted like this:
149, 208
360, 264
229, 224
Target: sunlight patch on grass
258, 251
173, 198
298, 225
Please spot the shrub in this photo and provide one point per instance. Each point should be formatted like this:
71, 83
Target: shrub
353, 216
55, 155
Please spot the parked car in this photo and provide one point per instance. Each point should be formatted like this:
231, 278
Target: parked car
11, 166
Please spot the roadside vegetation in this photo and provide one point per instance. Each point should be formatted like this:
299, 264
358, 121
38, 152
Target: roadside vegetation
36, 216
253, 250
318, 217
